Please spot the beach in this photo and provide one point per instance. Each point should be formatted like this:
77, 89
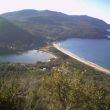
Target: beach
86, 62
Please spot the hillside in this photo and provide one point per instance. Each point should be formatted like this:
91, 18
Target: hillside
56, 26
12, 37
62, 83
26, 87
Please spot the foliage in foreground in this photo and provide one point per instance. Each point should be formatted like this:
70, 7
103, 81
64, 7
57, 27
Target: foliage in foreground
33, 89
73, 91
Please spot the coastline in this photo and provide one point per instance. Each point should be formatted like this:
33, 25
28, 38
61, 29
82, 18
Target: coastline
86, 62
46, 49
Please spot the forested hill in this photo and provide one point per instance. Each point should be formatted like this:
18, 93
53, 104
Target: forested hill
12, 36
56, 26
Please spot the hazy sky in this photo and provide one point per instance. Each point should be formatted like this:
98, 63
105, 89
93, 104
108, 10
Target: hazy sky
95, 8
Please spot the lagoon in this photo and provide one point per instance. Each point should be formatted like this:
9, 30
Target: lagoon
28, 57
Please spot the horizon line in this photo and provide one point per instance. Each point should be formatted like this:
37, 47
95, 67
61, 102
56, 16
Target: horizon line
52, 11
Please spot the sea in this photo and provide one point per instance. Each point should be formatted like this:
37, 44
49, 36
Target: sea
93, 50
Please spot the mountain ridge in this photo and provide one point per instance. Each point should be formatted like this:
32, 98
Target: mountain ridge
41, 22
50, 26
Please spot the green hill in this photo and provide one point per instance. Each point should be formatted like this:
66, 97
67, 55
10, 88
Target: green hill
55, 25
27, 29
14, 37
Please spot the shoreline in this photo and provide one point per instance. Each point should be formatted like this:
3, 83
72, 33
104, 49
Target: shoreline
51, 57
86, 62
46, 49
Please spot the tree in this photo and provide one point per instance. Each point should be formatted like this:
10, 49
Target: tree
72, 91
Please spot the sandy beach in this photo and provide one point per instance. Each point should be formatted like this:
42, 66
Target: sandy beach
95, 66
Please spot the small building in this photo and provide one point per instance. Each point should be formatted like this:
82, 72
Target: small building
43, 69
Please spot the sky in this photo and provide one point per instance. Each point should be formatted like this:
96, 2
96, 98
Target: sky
94, 8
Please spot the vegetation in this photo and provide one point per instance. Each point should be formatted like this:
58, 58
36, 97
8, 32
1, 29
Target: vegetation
14, 38
61, 86
28, 29
57, 26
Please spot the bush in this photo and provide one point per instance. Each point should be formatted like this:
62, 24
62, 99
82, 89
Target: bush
74, 92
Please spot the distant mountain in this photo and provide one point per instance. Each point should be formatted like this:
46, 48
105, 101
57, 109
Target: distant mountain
12, 37
55, 25
28, 29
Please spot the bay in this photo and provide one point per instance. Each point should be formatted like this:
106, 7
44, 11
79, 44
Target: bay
93, 50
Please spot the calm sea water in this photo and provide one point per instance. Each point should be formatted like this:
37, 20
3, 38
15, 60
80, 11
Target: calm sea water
32, 56
94, 50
